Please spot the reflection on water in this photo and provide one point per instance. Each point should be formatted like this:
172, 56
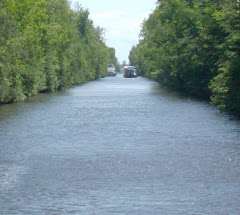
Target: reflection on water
118, 146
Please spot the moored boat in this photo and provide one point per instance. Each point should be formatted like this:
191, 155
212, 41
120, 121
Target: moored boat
111, 70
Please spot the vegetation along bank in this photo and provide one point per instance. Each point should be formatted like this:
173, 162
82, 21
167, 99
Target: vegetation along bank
46, 46
193, 46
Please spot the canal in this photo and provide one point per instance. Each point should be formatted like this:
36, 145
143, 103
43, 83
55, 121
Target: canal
118, 146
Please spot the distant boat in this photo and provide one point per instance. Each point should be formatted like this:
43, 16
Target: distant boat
111, 70
130, 72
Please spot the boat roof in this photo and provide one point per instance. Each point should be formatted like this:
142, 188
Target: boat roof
129, 67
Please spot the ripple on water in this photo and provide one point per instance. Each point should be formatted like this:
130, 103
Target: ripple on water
118, 146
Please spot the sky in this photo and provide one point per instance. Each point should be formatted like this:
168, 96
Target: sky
121, 21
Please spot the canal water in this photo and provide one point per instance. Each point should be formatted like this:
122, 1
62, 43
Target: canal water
118, 146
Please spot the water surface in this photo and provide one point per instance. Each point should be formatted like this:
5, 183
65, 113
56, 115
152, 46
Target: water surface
118, 146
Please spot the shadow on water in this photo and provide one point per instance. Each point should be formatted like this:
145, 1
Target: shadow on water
184, 97
14, 109
169, 92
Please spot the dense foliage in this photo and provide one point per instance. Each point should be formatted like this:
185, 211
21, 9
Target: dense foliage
193, 46
45, 46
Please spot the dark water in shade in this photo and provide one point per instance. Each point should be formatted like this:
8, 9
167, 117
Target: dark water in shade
118, 146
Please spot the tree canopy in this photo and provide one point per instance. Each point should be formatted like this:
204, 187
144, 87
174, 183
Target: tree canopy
193, 46
46, 46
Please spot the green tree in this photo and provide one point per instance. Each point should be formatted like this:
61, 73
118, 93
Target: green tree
226, 85
193, 46
46, 46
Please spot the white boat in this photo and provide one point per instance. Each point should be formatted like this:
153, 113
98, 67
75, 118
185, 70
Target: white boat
111, 70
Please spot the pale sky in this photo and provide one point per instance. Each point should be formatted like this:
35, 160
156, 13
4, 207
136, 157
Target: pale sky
121, 20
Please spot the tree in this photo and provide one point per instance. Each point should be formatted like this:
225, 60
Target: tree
193, 46
46, 46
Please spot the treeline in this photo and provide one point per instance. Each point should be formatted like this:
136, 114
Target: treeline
45, 46
193, 46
